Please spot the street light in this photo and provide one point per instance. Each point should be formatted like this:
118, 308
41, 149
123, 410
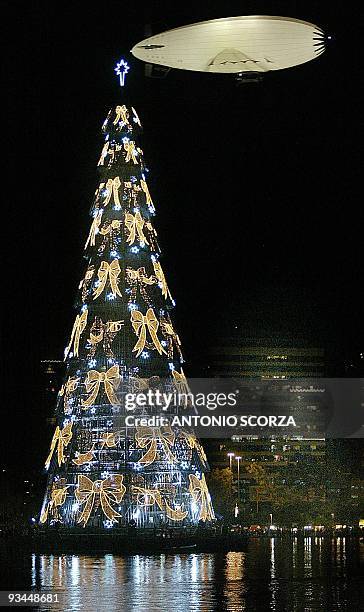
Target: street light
238, 460
231, 455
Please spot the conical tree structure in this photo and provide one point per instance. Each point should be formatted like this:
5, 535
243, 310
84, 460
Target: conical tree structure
102, 473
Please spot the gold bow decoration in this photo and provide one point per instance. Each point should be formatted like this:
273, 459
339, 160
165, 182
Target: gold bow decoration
200, 495
131, 151
149, 497
112, 187
192, 443
66, 390
162, 280
62, 438
108, 271
94, 229
148, 197
104, 125
78, 327
140, 325
99, 492
69, 386
105, 333
98, 193
82, 458
136, 118
172, 338
85, 282
148, 437
122, 114
180, 382
152, 236
134, 225
104, 152
111, 381
168, 330
58, 497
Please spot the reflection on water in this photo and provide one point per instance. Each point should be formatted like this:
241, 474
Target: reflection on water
309, 574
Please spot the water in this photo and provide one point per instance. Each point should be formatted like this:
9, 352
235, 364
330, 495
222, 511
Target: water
271, 575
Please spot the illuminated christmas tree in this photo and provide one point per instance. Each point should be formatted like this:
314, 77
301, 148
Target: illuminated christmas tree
102, 473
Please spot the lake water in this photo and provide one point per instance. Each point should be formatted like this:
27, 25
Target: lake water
300, 575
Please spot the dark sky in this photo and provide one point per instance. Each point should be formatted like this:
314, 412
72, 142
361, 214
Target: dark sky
257, 187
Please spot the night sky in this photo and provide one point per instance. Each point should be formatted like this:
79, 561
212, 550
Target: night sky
259, 206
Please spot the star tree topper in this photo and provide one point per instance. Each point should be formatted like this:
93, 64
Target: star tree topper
122, 68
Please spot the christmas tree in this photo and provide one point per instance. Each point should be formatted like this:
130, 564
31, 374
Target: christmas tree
101, 472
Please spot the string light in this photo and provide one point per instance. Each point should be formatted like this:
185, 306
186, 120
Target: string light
90, 400
194, 507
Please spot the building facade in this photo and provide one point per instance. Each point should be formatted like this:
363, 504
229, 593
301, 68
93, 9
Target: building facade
266, 358
263, 465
